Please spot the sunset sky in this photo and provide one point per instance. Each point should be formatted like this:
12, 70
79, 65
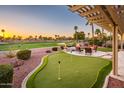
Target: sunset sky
40, 20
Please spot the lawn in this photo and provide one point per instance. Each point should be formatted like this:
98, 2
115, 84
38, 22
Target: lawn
105, 49
76, 72
30, 45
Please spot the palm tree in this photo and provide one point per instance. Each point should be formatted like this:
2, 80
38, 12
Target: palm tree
14, 37
56, 36
30, 37
102, 32
88, 35
40, 37
110, 36
3, 31
98, 32
35, 37
76, 28
91, 24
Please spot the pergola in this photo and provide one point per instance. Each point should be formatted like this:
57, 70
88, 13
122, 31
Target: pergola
108, 17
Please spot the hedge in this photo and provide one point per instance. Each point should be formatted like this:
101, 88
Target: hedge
23, 54
6, 76
55, 49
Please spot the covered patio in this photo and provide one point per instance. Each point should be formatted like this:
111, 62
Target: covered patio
110, 18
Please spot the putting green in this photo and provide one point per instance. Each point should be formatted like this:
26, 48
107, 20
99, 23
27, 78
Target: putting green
76, 72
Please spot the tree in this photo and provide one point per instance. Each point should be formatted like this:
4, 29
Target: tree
76, 28
88, 35
19, 37
110, 36
14, 37
35, 37
79, 35
3, 31
91, 24
56, 36
30, 37
102, 32
98, 32
40, 37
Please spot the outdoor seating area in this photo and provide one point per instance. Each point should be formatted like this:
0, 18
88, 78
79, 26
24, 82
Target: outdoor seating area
84, 49
72, 50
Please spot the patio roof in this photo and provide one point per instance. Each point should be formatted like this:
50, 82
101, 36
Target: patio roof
103, 16
109, 17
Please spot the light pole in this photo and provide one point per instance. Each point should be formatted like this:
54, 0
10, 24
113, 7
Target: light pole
59, 72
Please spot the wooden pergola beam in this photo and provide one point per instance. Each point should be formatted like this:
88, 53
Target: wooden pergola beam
76, 7
117, 18
97, 20
89, 12
115, 50
104, 14
120, 8
94, 17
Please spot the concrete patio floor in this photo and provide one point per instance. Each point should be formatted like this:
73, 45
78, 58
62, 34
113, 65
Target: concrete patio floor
101, 54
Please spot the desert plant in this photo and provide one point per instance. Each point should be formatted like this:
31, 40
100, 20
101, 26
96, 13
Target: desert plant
6, 75
55, 49
10, 54
48, 51
62, 47
23, 54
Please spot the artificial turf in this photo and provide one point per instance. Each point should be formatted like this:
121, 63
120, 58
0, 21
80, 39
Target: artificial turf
76, 72
104, 49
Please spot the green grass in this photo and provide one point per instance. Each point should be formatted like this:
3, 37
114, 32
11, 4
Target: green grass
105, 49
80, 72
17, 46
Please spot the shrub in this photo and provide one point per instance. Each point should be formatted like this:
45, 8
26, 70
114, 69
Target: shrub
17, 63
48, 51
71, 44
108, 44
62, 47
96, 42
10, 54
100, 43
24, 54
6, 76
55, 49
91, 42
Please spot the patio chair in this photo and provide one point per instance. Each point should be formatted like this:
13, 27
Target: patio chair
78, 49
95, 48
88, 51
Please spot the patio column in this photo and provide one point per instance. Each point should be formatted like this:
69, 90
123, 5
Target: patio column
115, 50
122, 41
